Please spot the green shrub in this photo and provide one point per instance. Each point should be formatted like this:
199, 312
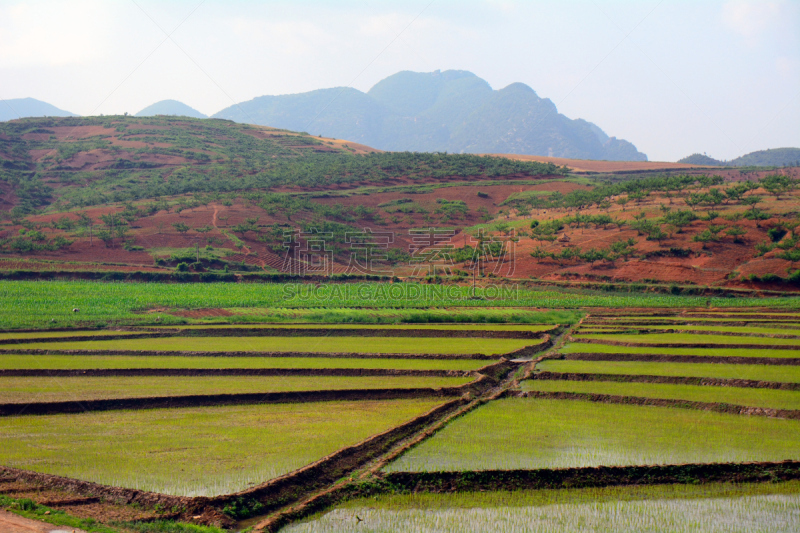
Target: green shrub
776, 234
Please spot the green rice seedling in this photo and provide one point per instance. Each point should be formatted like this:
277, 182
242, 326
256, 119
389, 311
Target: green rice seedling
715, 508
410, 345
38, 303
722, 351
40, 389
774, 399
531, 433
690, 338
386, 327
12, 361
195, 451
59, 334
785, 374
729, 329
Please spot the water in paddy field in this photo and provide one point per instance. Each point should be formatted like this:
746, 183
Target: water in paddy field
748, 514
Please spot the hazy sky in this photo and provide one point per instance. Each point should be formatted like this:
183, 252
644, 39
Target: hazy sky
673, 77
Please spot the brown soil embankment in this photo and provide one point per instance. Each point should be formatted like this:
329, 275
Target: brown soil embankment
659, 402
664, 358
207, 400
603, 476
80, 338
140, 498
672, 380
530, 351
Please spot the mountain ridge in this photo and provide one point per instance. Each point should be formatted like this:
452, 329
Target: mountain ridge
451, 111
778, 157
170, 108
15, 108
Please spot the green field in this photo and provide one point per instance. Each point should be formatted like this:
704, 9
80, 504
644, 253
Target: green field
766, 318
411, 345
26, 390
50, 362
714, 507
388, 327
37, 303
787, 374
690, 338
195, 451
775, 399
579, 347
530, 433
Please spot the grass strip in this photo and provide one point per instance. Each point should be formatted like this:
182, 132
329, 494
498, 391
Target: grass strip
29, 509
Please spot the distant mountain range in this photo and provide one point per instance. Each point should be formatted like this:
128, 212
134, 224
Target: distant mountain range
29, 107
170, 108
775, 157
453, 111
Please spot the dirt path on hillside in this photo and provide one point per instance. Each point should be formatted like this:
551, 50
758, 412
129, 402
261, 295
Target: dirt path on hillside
260, 262
11, 523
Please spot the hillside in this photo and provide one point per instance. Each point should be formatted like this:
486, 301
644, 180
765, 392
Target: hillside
126, 194
775, 157
15, 108
453, 111
170, 108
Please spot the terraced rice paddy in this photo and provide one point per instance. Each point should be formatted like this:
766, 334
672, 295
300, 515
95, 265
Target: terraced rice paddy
61, 334
298, 344
779, 374
195, 451
716, 508
66, 362
722, 351
187, 449
37, 389
722, 329
774, 399
689, 338
531, 433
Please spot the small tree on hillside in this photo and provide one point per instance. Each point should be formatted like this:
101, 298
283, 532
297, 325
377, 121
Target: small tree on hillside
180, 227
736, 232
